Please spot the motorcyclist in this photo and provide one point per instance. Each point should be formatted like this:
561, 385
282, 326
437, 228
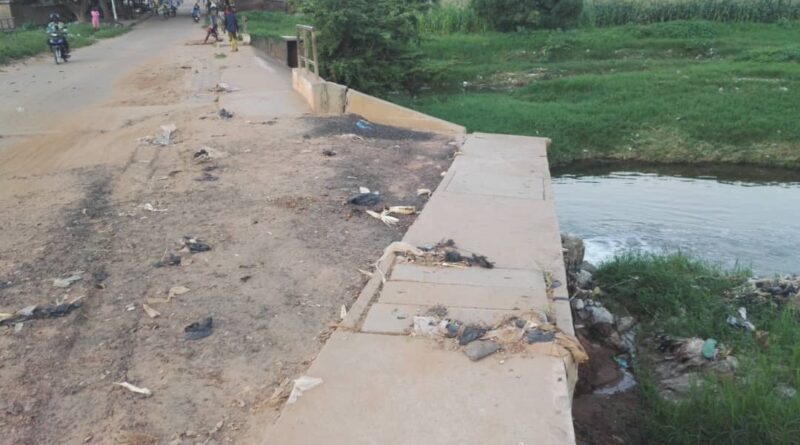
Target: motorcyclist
56, 26
196, 11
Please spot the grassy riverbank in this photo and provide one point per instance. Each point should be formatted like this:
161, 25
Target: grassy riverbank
674, 92
691, 91
30, 42
677, 295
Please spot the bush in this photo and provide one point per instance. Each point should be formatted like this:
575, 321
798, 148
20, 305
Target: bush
514, 15
369, 45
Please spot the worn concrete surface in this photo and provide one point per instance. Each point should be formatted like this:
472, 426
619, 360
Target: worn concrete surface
382, 385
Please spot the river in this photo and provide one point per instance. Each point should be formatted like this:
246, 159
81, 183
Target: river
727, 215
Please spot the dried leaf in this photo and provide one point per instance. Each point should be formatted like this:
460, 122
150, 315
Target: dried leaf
384, 217
424, 192
343, 312
403, 210
177, 290
152, 313
157, 300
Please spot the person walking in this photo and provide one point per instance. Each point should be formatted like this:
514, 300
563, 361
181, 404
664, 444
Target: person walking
212, 27
95, 13
232, 27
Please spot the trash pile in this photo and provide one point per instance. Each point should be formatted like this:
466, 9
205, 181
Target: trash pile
680, 361
777, 291
446, 253
513, 334
676, 362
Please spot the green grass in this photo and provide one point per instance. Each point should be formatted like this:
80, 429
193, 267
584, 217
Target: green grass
272, 24
684, 297
685, 91
30, 42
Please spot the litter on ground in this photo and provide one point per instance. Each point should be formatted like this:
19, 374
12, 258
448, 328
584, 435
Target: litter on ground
301, 385
133, 388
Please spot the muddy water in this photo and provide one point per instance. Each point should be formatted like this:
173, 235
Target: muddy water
729, 215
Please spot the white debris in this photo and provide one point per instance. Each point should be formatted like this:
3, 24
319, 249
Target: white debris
302, 385
134, 388
66, 282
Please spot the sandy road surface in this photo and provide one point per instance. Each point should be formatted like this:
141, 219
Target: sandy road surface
284, 249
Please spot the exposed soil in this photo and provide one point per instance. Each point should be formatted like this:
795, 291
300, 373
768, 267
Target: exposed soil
284, 255
603, 419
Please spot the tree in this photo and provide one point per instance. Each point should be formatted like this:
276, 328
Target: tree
369, 45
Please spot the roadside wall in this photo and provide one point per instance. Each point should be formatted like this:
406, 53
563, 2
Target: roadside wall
328, 98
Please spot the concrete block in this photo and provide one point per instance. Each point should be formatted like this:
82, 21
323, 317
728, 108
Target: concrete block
393, 390
471, 276
458, 295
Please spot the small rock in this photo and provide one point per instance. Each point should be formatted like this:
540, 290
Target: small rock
599, 314
588, 267
480, 349
583, 279
578, 304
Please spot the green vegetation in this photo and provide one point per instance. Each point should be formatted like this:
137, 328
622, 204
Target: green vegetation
515, 15
449, 19
368, 44
272, 24
684, 91
680, 296
30, 42
620, 12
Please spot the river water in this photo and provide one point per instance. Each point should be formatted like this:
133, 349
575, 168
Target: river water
728, 215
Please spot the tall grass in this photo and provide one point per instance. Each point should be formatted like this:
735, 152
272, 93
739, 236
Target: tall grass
451, 19
620, 12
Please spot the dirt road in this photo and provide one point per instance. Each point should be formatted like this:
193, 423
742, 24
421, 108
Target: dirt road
83, 192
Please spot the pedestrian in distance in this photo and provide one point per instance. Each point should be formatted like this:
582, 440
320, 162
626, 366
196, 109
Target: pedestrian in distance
95, 13
212, 27
232, 27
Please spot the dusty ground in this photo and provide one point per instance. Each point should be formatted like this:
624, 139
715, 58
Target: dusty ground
284, 258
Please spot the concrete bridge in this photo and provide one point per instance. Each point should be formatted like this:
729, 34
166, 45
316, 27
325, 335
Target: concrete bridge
380, 383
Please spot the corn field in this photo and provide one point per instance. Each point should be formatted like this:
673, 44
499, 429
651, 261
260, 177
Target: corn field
451, 19
620, 12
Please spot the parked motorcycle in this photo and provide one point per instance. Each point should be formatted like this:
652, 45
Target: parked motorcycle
58, 45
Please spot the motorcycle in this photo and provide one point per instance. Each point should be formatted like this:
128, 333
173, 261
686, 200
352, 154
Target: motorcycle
58, 45
173, 11
196, 16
